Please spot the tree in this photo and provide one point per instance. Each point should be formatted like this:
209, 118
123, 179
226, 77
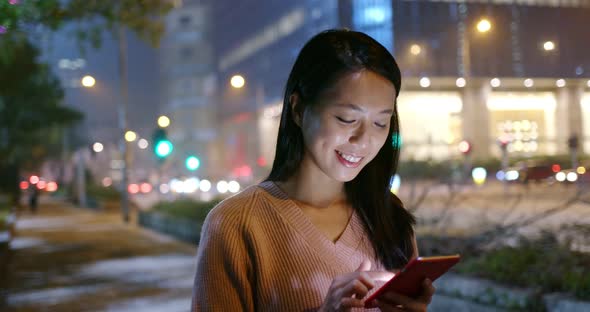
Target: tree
30, 109
30, 95
93, 17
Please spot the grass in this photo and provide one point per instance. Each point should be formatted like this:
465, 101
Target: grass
186, 208
543, 263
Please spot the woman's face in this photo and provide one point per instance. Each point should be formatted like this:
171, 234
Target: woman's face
349, 124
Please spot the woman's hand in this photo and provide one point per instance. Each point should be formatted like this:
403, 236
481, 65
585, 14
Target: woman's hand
391, 301
348, 290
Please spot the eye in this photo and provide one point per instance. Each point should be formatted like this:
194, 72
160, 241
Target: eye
344, 120
380, 125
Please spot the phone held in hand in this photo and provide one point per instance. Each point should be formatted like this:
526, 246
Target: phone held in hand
408, 281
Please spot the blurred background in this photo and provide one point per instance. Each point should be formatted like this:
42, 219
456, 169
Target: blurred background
123, 122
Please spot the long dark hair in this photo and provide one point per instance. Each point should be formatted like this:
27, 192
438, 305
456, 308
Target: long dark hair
324, 59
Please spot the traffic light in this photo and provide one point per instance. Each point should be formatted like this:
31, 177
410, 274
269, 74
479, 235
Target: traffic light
192, 163
464, 147
573, 142
162, 146
503, 144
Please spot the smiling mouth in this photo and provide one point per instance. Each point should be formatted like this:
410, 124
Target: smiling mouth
348, 160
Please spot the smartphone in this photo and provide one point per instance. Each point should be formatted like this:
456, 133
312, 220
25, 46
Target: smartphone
408, 281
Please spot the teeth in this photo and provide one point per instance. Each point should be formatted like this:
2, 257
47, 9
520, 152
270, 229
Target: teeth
352, 159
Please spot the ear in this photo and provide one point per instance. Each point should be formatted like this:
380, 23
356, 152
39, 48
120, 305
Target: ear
296, 107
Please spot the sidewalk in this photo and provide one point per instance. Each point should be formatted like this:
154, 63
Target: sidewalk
72, 259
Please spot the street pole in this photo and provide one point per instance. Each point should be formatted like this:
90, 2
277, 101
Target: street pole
81, 178
465, 69
504, 149
122, 112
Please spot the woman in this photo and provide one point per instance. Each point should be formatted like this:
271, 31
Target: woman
323, 229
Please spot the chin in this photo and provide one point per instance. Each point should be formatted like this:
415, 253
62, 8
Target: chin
345, 177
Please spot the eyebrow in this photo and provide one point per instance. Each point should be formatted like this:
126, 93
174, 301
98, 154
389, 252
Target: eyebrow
360, 109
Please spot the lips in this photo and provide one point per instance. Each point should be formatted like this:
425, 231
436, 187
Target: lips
348, 160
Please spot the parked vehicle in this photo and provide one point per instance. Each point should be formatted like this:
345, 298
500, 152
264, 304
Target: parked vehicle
529, 170
581, 174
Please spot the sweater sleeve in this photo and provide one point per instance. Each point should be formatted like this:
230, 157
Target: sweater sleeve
222, 280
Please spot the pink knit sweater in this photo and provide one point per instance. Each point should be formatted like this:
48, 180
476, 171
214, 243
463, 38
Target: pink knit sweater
260, 252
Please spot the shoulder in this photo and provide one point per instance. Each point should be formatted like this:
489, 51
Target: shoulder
235, 211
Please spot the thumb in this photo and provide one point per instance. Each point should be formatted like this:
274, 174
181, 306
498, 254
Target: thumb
364, 266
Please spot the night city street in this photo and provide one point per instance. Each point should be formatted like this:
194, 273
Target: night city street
261, 155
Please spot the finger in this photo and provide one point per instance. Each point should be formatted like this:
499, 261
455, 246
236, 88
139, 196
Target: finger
364, 266
382, 276
348, 302
386, 307
427, 291
366, 279
355, 287
408, 303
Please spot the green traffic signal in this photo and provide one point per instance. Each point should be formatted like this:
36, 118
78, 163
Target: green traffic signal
192, 163
163, 148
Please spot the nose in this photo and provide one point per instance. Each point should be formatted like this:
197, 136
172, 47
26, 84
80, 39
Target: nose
360, 136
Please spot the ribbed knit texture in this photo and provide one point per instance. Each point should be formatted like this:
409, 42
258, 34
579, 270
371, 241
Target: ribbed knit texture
260, 252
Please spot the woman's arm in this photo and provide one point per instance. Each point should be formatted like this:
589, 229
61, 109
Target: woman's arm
222, 280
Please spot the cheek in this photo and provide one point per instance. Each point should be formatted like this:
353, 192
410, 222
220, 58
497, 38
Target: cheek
319, 134
311, 128
379, 141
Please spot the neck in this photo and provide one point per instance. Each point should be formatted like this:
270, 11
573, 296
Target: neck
314, 188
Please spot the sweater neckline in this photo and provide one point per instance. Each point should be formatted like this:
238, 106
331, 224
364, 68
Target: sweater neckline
340, 251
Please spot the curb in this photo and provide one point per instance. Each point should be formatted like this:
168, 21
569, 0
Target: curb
179, 228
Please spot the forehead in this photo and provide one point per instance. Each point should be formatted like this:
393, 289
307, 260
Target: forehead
364, 88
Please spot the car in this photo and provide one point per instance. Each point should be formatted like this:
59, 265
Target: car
581, 174
529, 170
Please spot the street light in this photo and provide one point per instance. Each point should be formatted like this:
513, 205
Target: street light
495, 82
237, 81
484, 25
142, 143
130, 136
88, 81
97, 147
424, 82
460, 82
560, 83
163, 121
549, 46
415, 49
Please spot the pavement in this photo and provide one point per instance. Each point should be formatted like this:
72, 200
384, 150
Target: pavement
66, 258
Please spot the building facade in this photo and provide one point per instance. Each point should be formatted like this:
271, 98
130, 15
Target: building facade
524, 79
188, 82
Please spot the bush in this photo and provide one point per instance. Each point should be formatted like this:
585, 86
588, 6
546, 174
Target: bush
543, 263
4, 213
186, 208
418, 169
103, 193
